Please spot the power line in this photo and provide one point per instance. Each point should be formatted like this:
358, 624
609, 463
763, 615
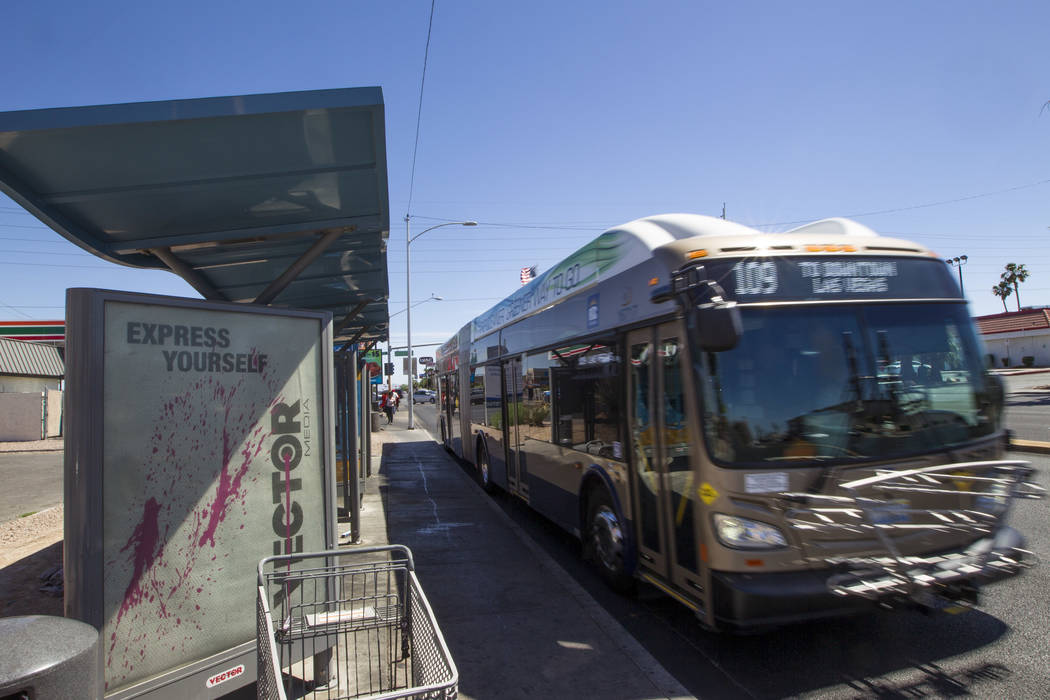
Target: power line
917, 206
43, 252
83, 267
419, 113
509, 224
15, 309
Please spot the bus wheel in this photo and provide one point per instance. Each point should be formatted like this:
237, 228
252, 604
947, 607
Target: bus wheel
484, 474
605, 541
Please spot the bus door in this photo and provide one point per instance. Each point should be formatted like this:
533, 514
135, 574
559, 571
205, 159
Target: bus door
444, 416
513, 396
662, 476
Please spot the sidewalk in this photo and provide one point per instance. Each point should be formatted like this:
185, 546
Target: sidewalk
517, 625
49, 445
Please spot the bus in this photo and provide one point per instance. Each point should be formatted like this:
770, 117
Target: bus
768, 427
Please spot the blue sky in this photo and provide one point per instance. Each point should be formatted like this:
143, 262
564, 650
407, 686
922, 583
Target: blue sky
550, 121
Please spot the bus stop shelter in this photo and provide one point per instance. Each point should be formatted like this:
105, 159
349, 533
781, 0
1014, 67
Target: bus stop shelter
273, 199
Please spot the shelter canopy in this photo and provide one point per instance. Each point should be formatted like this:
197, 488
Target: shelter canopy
277, 198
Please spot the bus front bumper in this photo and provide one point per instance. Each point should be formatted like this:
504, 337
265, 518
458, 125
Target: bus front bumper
753, 600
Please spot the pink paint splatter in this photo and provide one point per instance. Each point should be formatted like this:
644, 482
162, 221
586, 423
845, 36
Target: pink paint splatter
160, 567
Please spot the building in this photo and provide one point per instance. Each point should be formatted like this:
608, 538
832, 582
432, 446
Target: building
31, 377
1012, 336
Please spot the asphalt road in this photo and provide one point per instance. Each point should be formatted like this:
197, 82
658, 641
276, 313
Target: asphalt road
997, 651
32, 481
1026, 406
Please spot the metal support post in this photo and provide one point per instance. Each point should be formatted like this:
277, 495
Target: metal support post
342, 425
366, 424
353, 492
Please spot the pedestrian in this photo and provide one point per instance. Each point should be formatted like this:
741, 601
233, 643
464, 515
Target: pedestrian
389, 404
395, 398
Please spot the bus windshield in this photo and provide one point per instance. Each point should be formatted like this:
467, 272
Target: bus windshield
846, 383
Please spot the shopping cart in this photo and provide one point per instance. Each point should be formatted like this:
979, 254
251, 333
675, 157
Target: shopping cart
350, 623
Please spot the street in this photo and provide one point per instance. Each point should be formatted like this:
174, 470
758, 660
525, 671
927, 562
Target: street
32, 482
998, 650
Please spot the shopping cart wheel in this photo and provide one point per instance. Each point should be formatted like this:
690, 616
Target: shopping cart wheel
605, 541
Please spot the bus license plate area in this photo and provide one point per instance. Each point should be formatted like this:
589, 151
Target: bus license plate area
890, 513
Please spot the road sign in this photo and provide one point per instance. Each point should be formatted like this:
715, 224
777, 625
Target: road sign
401, 353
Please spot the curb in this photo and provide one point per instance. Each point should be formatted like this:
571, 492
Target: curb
1032, 446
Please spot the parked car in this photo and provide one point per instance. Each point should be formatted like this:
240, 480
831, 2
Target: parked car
424, 396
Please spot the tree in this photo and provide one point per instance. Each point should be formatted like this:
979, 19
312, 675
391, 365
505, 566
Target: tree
1003, 290
1014, 275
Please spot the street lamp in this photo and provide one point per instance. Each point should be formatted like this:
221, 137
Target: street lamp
957, 262
408, 302
432, 297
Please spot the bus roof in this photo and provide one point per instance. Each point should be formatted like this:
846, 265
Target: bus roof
675, 240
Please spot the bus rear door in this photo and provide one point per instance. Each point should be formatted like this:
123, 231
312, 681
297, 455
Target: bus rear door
517, 483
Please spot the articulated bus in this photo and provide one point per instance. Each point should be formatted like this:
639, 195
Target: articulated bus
767, 427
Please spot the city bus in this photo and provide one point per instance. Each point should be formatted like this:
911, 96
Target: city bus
768, 427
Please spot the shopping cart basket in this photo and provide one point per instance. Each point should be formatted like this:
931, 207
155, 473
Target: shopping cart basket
349, 623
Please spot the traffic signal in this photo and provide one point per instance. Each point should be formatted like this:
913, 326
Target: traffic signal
388, 368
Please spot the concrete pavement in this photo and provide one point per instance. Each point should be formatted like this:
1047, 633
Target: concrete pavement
517, 625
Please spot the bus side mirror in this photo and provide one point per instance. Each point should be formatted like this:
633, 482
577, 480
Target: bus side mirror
717, 322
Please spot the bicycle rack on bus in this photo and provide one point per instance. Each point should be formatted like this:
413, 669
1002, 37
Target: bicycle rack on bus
931, 580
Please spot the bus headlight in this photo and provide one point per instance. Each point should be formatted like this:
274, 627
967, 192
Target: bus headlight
741, 533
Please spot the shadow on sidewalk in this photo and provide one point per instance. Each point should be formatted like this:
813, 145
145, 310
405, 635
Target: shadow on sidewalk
20, 584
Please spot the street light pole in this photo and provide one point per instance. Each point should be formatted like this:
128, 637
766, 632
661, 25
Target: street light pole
408, 302
957, 262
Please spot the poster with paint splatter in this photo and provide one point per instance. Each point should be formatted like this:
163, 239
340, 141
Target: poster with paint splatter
213, 458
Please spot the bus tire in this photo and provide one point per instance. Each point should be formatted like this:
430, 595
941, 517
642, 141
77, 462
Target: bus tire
482, 467
605, 541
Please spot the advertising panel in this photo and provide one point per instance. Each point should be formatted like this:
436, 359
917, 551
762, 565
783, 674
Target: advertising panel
214, 454
374, 366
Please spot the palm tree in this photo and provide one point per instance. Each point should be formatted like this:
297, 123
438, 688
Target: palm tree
1014, 275
1003, 290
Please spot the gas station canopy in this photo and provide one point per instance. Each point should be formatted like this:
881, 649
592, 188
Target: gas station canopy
276, 199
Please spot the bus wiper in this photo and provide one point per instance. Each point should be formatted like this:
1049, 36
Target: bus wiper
851, 360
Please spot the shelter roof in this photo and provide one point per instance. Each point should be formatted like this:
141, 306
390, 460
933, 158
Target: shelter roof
24, 359
275, 199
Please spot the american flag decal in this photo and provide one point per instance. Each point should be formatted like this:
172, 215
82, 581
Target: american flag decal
527, 274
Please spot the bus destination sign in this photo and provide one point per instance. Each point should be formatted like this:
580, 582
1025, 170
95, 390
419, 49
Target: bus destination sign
794, 279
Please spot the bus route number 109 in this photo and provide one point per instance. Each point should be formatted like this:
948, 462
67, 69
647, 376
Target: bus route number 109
753, 278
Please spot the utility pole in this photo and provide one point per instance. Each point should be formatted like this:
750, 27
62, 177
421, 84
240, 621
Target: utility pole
723, 211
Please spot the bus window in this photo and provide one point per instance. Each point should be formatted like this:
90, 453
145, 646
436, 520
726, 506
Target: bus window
535, 409
493, 396
586, 399
845, 384
477, 396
